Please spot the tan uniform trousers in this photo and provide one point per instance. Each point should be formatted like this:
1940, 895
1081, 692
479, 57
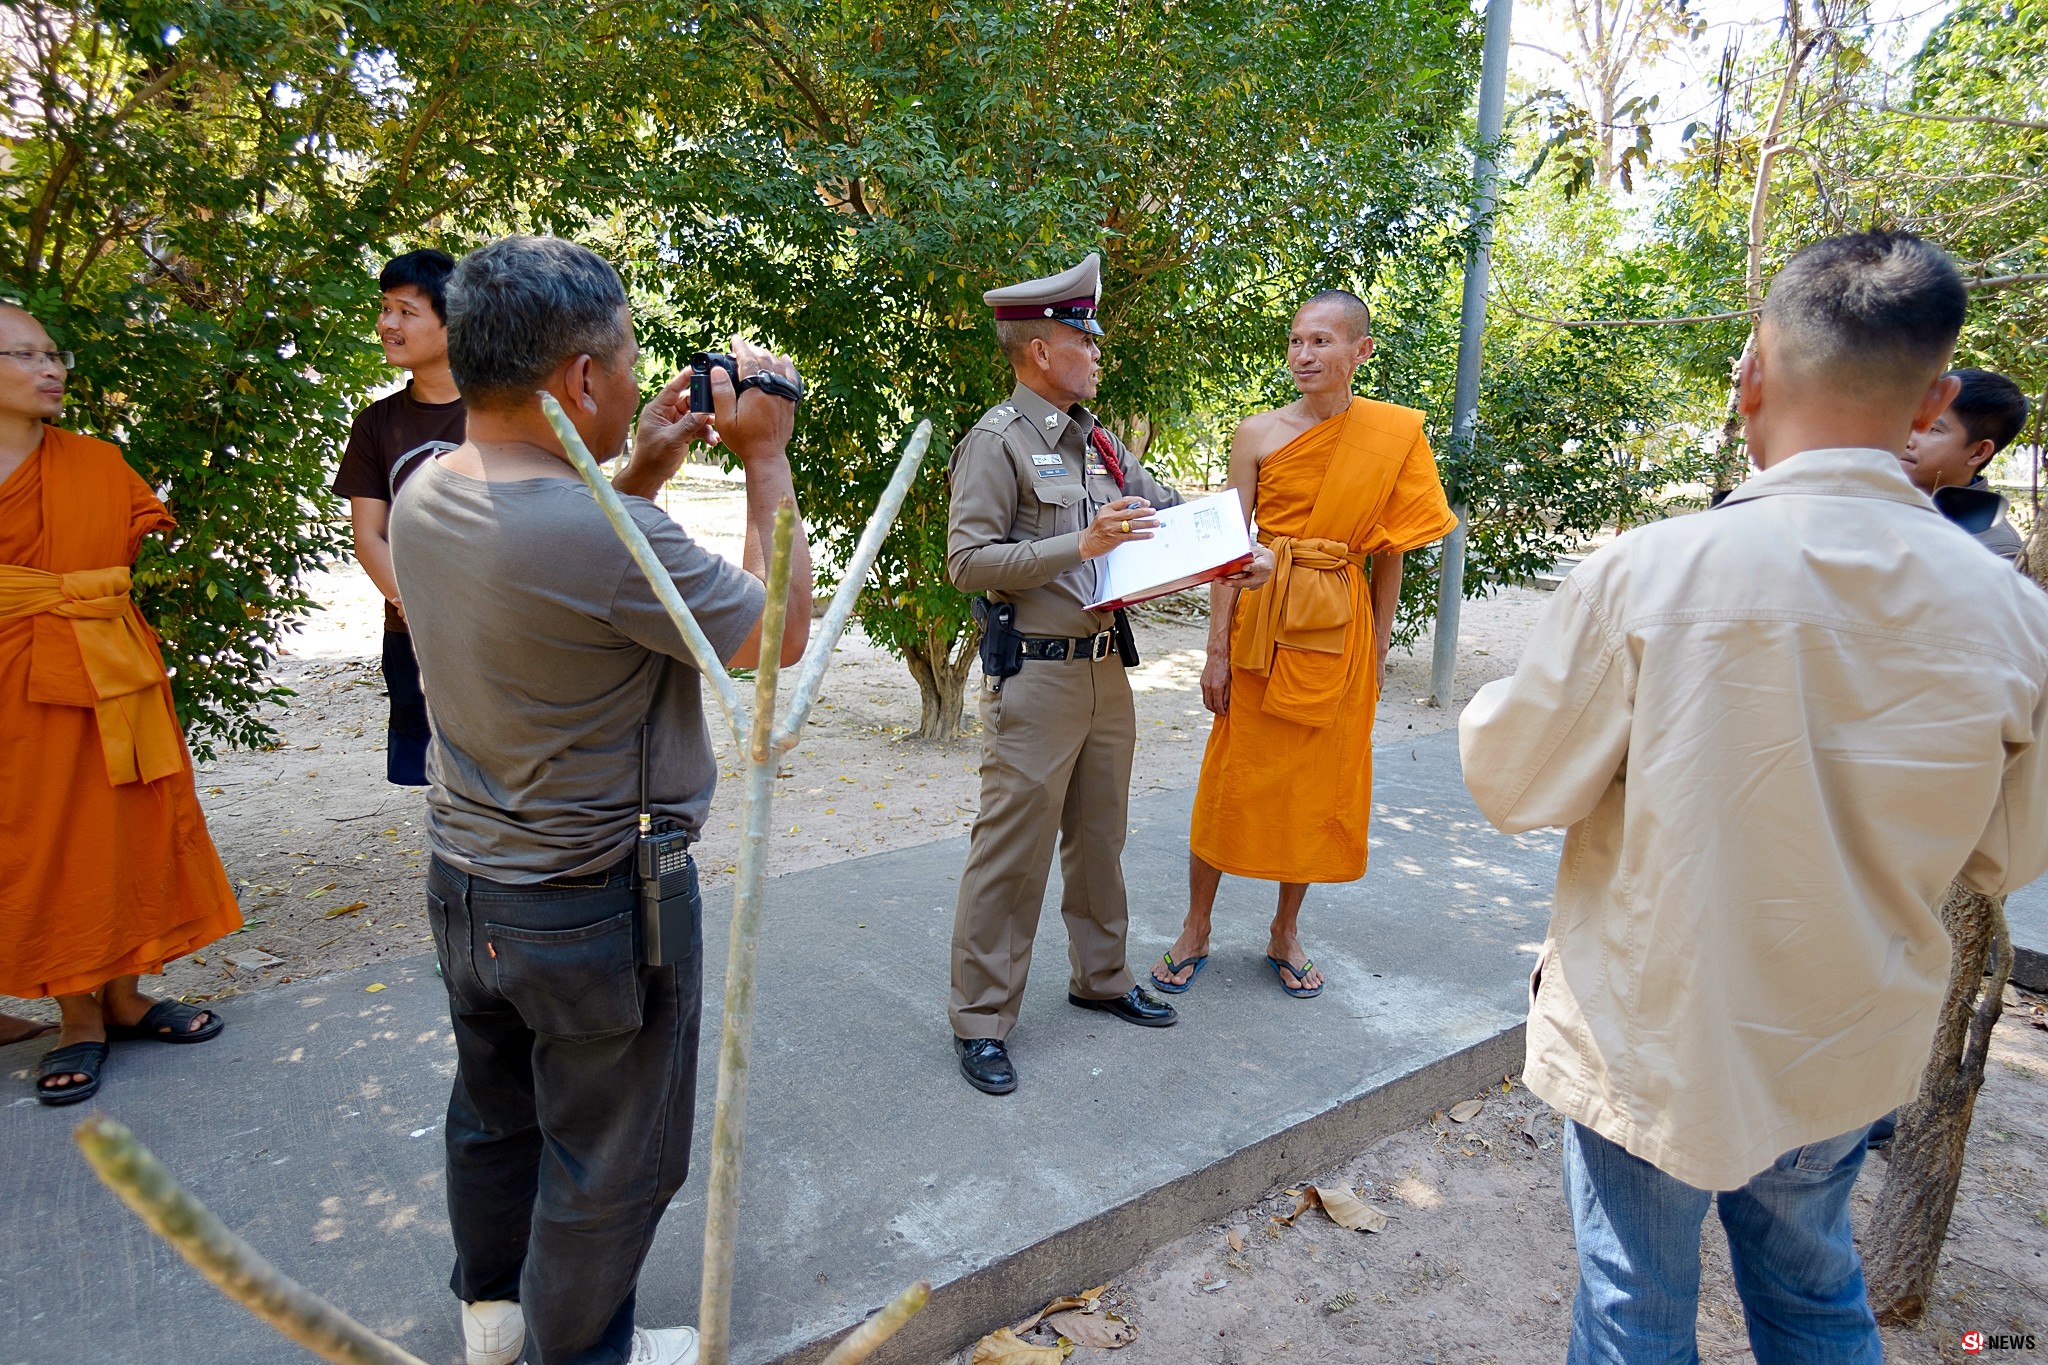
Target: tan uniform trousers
1055, 759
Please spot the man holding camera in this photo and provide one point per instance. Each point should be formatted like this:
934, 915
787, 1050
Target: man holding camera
1040, 492
569, 1125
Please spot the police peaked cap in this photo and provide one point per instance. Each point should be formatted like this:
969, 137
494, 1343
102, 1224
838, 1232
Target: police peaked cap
1070, 297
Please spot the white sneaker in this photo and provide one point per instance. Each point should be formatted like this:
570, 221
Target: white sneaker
664, 1346
493, 1332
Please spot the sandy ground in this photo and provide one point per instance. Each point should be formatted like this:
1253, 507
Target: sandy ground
328, 858
1476, 1265
1476, 1262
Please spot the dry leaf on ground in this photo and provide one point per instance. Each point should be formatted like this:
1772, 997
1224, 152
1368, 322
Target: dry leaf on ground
1464, 1111
1104, 1331
348, 909
1085, 1301
1059, 1305
1001, 1347
1236, 1239
1345, 1209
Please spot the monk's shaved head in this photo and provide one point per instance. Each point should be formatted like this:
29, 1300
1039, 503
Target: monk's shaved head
1349, 310
29, 389
1868, 313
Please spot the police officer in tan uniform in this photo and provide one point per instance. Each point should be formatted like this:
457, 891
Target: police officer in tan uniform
1040, 492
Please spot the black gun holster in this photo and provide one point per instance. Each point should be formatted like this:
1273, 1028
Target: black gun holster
1002, 648
1126, 640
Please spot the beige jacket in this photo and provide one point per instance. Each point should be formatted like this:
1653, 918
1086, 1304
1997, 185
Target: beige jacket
1776, 731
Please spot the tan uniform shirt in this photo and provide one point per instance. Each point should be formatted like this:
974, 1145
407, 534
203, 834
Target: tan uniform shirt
1777, 731
1025, 483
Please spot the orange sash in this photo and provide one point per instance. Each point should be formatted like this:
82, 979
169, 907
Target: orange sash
138, 732
1310, 626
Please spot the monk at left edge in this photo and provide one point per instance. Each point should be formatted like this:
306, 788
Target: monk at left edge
107, 871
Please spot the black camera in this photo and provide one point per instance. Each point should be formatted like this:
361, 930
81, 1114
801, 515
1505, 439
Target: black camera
704, 362
701, 365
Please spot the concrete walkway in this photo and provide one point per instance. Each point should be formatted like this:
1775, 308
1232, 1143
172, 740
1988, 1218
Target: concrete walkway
313, 1125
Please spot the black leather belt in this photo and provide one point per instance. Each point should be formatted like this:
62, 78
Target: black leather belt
1060, 647
586, 879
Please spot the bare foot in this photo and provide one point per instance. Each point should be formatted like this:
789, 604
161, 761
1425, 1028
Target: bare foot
124, 1004
1287, 948
1192, 944
83, 1023
17, 1030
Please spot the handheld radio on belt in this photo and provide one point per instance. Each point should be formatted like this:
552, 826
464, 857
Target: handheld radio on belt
667, 877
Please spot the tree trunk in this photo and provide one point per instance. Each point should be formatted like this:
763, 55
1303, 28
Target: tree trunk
941, 666
2034, 555
1799, 45
1911, 1220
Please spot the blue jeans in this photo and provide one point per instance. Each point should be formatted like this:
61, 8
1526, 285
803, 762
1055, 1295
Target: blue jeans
408, 732
1796, 1268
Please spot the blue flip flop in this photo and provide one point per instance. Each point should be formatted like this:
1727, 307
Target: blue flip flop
1172, 967
1283, 971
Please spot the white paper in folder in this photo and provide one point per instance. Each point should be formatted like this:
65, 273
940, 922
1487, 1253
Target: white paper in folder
1194, 543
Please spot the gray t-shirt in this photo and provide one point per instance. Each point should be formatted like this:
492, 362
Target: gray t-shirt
542, 649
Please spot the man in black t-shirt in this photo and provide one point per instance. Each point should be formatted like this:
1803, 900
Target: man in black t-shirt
390, 440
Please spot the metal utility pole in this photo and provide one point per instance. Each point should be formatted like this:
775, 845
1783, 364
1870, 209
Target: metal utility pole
1493, 90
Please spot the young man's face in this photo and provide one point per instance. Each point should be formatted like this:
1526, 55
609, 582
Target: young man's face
413, 335
1322, 355
29, 387
1944, 456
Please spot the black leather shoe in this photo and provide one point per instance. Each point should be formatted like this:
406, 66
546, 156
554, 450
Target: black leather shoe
985, 1062
1134, 1006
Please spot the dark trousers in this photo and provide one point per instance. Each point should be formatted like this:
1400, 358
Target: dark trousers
575, 1087
407, 733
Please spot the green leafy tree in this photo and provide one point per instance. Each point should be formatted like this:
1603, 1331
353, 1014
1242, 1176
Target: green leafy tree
195, 197
869, 171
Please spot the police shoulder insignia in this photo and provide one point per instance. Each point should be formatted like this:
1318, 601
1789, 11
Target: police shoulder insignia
996, 418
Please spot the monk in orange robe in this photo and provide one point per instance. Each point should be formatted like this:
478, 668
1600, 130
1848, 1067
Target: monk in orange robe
1337, 484
107, 871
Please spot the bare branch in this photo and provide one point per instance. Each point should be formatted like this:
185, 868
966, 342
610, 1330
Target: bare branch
1630, 322
2006, 281
2031, 125
865, 1339
237, 1269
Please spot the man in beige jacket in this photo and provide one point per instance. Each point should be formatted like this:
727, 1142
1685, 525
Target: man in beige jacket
1776, 731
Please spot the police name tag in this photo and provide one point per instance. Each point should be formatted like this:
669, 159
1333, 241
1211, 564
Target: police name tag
1049, 457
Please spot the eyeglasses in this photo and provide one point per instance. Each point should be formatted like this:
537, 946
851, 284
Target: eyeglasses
61, 359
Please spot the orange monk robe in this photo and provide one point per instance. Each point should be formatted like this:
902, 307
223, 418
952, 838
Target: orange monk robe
106, 868
1286, 784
